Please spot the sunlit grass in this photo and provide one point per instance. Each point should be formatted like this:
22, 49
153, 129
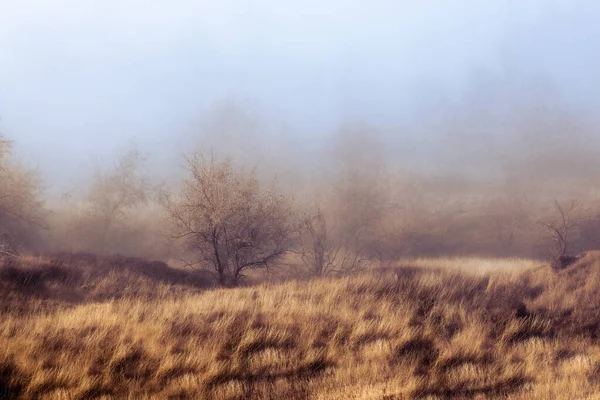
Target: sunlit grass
435, 331
477, 264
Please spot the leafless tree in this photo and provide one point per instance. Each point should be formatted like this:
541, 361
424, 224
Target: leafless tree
322, 250
107, 204
229, 221
562, 229
21, 210
361, 193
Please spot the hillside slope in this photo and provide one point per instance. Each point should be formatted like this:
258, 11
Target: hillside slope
403, 333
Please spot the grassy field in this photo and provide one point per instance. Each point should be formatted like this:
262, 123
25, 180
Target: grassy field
83, 327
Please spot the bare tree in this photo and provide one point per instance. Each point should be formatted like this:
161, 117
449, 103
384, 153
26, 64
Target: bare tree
562, 229
323, 251
229, 221
107, 204
361, 193
21, 210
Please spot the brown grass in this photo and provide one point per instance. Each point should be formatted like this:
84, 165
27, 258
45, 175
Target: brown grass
84, 327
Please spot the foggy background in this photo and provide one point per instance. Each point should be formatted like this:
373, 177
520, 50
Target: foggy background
465, 99
80, 79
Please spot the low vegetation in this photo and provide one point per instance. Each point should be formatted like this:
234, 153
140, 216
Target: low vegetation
447, 248
82, 326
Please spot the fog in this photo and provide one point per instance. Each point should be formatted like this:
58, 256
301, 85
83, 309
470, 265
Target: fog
459, 98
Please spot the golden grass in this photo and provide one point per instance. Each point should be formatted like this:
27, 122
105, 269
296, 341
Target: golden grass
401, 333
477, 264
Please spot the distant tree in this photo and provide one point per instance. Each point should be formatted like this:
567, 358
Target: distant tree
324, 251
229, 221
21, 209
361, 195
562, 229
386, 215
113, 194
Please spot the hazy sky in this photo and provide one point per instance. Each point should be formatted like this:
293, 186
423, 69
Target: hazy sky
80, 78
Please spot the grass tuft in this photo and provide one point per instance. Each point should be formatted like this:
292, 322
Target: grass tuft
84, 327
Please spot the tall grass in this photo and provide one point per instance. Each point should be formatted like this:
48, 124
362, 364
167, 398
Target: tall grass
401, 333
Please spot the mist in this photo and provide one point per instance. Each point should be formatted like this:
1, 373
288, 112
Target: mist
260, 199
452, 106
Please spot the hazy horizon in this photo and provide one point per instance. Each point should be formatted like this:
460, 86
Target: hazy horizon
79, 80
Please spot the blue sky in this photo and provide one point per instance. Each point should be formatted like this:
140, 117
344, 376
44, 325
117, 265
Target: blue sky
81, 78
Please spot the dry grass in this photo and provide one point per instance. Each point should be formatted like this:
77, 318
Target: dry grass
70, 332
477, 264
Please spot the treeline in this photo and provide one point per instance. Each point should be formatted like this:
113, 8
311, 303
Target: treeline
354, 201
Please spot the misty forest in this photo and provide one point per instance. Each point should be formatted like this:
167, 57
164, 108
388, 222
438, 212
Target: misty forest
216, 202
